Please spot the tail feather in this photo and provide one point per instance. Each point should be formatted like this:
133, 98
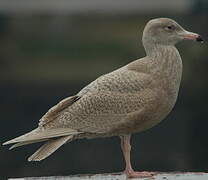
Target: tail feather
48, 148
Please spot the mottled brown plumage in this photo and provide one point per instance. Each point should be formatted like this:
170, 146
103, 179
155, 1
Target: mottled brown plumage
128, 100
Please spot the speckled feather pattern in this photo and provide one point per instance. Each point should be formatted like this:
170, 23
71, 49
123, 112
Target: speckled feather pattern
106, 106
130, 99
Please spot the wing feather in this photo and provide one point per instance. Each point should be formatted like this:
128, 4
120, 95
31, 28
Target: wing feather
55, 110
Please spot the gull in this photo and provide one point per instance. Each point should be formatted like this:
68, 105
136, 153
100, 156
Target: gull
131, 99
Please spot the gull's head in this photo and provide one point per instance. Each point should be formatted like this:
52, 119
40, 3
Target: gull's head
165, 31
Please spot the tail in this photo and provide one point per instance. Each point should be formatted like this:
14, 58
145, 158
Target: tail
55, 137
48, 148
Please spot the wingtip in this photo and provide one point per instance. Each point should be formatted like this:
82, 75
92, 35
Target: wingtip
5, 143
10, 142
12, 147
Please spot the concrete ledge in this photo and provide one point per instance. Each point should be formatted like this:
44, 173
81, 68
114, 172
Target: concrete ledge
119, 176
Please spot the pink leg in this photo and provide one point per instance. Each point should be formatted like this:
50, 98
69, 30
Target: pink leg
126, 148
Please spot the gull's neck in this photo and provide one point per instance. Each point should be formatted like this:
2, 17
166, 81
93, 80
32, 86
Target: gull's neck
166, 65
158, 50
165, 56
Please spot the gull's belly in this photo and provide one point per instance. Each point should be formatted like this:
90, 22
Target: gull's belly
152, 114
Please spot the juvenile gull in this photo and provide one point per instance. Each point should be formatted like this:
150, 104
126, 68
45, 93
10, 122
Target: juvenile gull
128, 100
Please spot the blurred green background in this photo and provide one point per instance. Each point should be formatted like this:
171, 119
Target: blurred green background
46, 56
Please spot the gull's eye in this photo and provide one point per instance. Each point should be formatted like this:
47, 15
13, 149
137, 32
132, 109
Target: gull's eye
170, 27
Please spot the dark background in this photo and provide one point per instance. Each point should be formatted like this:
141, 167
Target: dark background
45, 57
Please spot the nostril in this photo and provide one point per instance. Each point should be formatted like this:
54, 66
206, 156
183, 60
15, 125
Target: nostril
199, 39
